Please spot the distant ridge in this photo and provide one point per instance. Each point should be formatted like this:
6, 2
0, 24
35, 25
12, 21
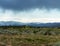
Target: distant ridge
44, 24
10, 23
14, 23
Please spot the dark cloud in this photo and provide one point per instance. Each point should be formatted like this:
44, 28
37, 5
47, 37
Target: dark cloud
27, 4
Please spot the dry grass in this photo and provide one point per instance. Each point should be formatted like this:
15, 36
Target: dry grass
27, 40
28, 36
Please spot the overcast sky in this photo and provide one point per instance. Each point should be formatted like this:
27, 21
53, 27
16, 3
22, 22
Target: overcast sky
30, 10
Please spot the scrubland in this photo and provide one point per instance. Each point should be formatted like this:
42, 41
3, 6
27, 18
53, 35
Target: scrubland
29, 36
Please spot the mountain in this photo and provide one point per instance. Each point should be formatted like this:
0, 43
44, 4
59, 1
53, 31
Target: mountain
14, 23
44, 24
11, 23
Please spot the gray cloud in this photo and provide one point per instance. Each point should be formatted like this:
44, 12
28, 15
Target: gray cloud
28, 4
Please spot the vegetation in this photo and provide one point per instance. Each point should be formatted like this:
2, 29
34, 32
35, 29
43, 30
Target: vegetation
29, 36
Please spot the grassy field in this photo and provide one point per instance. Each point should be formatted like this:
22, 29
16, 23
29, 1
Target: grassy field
29, 36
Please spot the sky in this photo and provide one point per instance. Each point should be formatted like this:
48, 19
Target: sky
30, 10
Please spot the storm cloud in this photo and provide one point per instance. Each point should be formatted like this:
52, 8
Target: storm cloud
28, 4
30, 10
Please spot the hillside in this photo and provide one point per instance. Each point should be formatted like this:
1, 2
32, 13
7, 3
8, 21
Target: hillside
14, 23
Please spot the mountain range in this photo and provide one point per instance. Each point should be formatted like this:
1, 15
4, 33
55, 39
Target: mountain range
14, 23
